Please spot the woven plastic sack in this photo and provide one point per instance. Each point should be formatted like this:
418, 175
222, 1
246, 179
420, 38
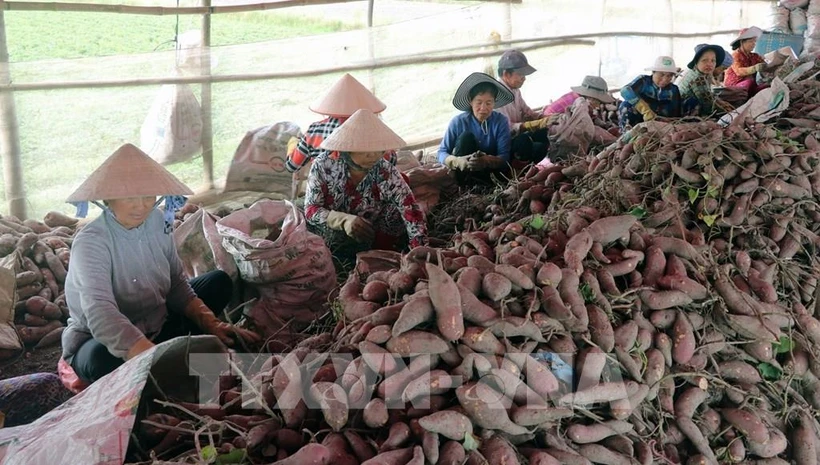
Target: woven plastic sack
290, 267
573, 133
813, 25
780, 19
792, 4
199, 246
258, 164
172, 131
798, 22
10, 344
814, 7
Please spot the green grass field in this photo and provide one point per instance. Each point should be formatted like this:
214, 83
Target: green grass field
65, 134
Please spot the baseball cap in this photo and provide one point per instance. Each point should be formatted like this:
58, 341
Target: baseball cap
515, 60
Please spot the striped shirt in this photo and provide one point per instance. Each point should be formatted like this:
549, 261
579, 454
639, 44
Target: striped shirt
308, 146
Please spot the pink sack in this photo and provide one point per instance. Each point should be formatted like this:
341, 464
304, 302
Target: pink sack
291, 267
70, 380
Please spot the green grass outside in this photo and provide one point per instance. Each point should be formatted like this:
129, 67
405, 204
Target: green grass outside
65, 134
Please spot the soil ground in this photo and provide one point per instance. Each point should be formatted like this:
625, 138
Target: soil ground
38, 361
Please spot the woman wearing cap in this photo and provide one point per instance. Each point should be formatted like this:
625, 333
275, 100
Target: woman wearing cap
363, 202
125, 288
743, 72
650, 96
478, 139
593, 88
345, 97
696, 84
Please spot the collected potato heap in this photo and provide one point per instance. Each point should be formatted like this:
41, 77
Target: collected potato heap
654, 303
44, 251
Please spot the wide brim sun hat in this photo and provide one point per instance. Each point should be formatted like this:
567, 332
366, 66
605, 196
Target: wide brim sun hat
664, 64
461, 100
720, 54
594, 87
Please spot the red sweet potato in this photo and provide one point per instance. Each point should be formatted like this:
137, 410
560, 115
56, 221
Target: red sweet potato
446, 302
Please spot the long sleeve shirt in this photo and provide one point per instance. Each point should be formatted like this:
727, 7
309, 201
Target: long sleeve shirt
121, 283
695, 84
664, 102
561, 105
308, 146
741, 60
382, 197
493, 135
518, 111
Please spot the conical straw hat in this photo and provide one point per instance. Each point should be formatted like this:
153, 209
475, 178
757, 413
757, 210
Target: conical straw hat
128, 172
345, 97
363, 132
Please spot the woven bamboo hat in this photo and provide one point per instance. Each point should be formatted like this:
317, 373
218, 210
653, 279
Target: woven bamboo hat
128, 172
363, 132
345, 97
462, 98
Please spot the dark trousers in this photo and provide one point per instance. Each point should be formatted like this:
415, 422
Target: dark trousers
467, 144
93, 360
530, 146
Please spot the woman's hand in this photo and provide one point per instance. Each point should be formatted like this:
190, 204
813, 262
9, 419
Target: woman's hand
226, 333
354, 226
139, 347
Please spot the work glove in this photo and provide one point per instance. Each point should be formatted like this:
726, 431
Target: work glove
535, 124
466, 163
725, 106
204, 318
356, 227
643, 109
292, 143
755, 69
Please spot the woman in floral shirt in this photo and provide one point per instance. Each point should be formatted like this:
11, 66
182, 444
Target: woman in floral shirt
696, 84
743, 72
361, 201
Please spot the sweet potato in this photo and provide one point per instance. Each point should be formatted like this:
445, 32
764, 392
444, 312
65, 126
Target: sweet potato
683, 340
660, 300
54, 219
41, 307
513, 326
379, 334
586, 434
375, 291
487, 407
495, 286
446, 301
600, 328
482, 341
469, 278
448, 423
738, 371
746, 423
311, 454
576, 251
516, 276
602, 392
397, 436
417, 311
417, 342
474, 310
500, 451
597, 453
589, 365
696, 437
428, 384
361, 448
33, 334
451, 453
29, 290
626, 334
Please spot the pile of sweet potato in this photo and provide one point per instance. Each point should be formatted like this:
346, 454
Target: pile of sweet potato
43, 249
653, 303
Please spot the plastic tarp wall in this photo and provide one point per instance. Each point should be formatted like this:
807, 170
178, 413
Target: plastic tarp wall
94, 122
